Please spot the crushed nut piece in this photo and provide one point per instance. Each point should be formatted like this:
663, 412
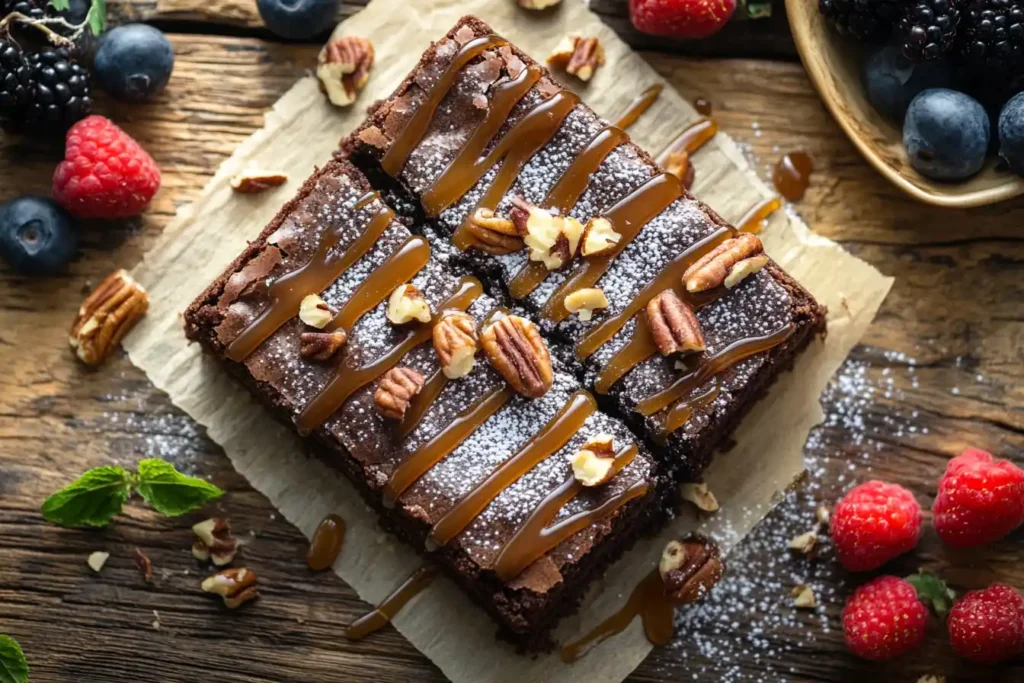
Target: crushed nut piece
494, 234
594, 463
599, 237
537, 4
712, 270
690, 568
315, 312
106, 316
746, 267
804, 597
679, 165
96, 560
823, 515
321, 346
700, 495
143, 563
214, 542
252, 180
343, 68
550, 238
674, 325
455, 343
236, 586
579, 56
395, 391
804, 543
407, 304
931, 679
516, 350
585, 301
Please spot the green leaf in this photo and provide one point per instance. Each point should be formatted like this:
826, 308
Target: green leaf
60, 5
933, 591
97, 17
13, 667
170, 491
91, 500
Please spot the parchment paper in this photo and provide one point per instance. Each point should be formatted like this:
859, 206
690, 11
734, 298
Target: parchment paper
301, 131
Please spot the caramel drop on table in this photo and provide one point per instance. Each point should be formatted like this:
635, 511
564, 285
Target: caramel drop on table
390, 606
326, 544
703, 106
792, 174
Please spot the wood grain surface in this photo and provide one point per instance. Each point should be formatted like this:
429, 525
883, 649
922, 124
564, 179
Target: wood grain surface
939, 370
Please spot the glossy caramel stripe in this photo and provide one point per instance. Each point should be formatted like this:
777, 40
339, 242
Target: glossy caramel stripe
399, 268
711, 366
554, 435
315, 276
638, 106
639, 348
382, 615
349, 380
649, 602
628, 217
751, 221
564, 195
690, 140
681, 412
535, 537
444, 442
416, 127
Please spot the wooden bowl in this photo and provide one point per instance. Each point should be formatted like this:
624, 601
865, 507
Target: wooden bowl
833, 63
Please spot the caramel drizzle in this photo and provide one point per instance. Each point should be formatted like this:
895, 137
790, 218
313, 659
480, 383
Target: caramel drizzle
681, 412
383, 613
639, 105
444, 442
322, 269
555, 434
751, 221
416, 127
349, 380
711, 366
649, 602
690, 140
538, 534
564, 195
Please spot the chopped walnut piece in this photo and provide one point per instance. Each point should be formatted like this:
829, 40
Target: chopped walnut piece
746, 267
804, 543
713, 268
599, 237
550, 238
804, 597
214, 542
343, 68
96, 560
673, 325
321, 346
700, 495
690, 568
236, 586
594, 463
144, 565
396, 389
516, 350
585, 301
106, 316
315, 312
251, 181
494, 234
823, 515
407, 304
455, 343
580, 56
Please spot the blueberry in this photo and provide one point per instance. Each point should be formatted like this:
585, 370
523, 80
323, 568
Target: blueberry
36, 236
133, 62
946, 134
298, 19
1011, 133
892, 81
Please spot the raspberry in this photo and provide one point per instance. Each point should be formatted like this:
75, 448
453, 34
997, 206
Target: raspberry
874, 523
980, 499
680, 18
105, 173
987, 626
884, 618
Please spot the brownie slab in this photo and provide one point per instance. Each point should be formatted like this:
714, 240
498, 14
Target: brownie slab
474, 497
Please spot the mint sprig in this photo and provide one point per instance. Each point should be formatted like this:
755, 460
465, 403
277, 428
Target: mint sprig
933, 592
13, 666
95, 497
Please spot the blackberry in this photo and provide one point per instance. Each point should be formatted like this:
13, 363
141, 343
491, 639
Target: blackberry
864, 20
928, 29
34, 9
60, 94
15, 84
990, 44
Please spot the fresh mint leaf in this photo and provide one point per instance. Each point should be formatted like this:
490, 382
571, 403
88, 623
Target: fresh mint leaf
60, 5
91, 500
13, 667
933, 592
171, 492
97, 17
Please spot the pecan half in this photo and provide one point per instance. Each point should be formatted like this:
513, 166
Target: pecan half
673, 324
395, 390
712, 270
679, 165
690, 568
106, 316
516, 350
321, 345
494, 234
236, 586
579, 56
343, 68
455, 343
214, 542
251, 181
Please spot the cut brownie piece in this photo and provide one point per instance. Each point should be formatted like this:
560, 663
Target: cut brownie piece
480, 125
472, 471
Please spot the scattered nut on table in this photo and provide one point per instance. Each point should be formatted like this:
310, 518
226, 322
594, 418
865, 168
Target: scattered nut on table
252, 181
214, 542
236, 586
700, 495
343, 68
106, 316
580, 56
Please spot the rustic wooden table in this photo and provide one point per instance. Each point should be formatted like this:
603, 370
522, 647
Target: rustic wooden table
940, 369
